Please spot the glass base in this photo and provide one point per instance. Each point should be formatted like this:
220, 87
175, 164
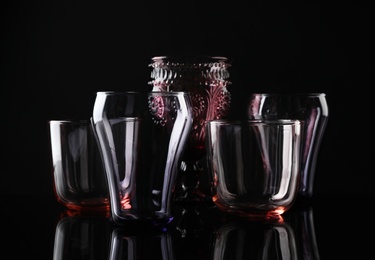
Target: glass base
248, 215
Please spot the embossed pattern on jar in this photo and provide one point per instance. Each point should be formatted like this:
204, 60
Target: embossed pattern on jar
206, 78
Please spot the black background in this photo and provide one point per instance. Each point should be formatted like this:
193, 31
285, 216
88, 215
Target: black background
57, 54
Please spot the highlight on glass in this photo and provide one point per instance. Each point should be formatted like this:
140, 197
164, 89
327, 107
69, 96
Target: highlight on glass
141, 150
312, 108
78, 172
254, 166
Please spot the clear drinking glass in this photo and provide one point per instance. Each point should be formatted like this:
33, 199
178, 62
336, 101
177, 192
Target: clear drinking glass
254, 166
206, 78
312, 108
79, 177
142, 140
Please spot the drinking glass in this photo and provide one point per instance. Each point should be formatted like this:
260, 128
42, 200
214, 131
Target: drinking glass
79, 177
311, 108
206, 78
142, 138
254, 166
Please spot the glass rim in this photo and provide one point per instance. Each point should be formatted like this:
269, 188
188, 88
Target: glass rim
192, 57
290, 94
255, 121
112, 92
70, 121
190, 61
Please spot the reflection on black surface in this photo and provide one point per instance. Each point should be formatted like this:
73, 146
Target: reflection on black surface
189, 221
192, 229
302, 219
255, 241
96, 237
144, 245
81, 237
292, 238
197, 232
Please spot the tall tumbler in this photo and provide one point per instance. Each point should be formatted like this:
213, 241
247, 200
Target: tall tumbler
311, 108
142, 139
206, 78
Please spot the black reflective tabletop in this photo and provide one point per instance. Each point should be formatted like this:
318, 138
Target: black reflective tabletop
38, 227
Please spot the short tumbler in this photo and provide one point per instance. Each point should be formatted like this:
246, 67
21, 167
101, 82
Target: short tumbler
254, 166
79, 177
141, 150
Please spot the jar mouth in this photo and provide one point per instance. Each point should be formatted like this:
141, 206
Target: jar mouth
189, 61
187, 72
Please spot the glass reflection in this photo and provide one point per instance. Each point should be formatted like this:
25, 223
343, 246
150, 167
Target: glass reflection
196, 233
146, 244
291, 238
258, 241
81, 237
192, 228
95, 237
302, 219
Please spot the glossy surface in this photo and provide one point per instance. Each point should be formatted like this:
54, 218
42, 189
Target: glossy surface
141, 152
317, 229
312, 108
254, 166
78, 172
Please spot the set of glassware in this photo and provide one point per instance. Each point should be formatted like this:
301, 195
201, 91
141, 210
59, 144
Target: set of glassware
142, 152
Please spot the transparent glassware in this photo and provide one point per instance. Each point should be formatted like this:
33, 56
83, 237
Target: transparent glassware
254, 166
78, 172
312, 108
206, 79
141, 137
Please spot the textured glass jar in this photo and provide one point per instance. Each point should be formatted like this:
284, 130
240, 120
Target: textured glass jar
206, 79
